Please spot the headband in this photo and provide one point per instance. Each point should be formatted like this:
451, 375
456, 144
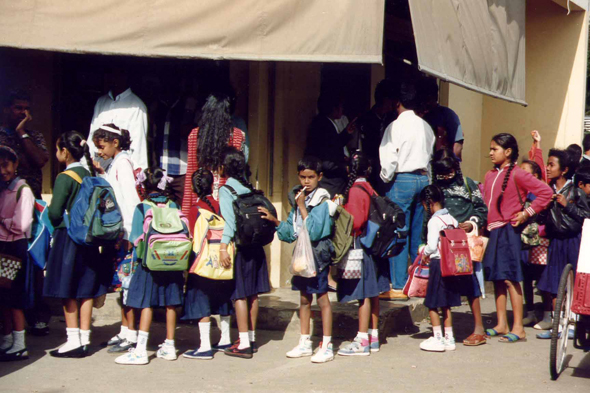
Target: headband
110, 129
9, 150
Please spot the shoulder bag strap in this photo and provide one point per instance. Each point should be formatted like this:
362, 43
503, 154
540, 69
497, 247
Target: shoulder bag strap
231, 189
522, 203
468, 188
73, 175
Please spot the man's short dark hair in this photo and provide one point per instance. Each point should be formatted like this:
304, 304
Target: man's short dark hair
386, 89
16, 95
586, 143
309, 162
327, 101
408, 96
583, 174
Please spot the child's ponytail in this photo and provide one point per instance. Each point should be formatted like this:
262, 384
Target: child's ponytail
89, 161
202, 182
76, 145
359, 167
506, 141
431, 194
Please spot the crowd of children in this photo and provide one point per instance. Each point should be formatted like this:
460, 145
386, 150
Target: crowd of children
532, 213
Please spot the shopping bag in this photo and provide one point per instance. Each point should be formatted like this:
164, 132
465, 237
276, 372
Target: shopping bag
538, 254
302, 262
351, 265
417, 282
9, 267
477, 244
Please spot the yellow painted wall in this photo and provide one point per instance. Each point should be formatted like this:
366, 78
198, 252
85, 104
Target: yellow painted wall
556, 48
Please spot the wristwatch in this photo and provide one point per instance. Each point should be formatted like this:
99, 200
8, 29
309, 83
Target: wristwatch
25, 136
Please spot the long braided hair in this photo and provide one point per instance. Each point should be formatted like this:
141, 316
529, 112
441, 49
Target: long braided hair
429, 195
215, 128
234, 165
150, 184
506, 141
75, 143
202, 182
359, 167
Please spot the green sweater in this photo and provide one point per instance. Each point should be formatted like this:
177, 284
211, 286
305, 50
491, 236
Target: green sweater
65, 191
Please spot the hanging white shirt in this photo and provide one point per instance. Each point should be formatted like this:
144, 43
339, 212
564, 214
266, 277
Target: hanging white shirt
406, 146
126, 111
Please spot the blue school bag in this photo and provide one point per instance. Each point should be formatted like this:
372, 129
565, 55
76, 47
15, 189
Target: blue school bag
41, 231
95, 218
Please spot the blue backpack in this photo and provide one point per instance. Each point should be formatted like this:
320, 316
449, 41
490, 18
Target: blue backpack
41, 232
95, 218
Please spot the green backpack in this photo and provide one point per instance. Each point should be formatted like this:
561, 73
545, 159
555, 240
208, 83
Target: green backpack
342, 234
166, 242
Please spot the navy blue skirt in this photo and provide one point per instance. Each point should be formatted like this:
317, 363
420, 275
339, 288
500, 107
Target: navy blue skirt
502, 258
442, 291
73, 271
155, 289
250, 273
205, 297
21, 294
560, 253
374, 281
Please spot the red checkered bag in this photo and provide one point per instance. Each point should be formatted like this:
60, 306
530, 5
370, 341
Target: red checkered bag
538, 254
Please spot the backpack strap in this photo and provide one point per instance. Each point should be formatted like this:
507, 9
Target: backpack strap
468, 188
363, 188
443, 221
231, 189
73, 175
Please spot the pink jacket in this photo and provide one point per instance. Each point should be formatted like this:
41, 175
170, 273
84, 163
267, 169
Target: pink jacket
16, 217
510, 201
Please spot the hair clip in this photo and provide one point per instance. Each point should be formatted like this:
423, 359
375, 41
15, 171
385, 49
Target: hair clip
82, 142
164, 182
110, 129
140, 178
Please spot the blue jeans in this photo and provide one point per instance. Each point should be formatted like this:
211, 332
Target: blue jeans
405, 192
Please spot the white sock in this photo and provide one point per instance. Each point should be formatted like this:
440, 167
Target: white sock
364, 336
6, 342
437, 331
225, 323
547, 316
131, 336
73, 340
18, 343
374, 334
122, 333
205, 335
449, 333
244, 340
169, 343
325, 341
252, 335
84, 337
304, 338
142, 339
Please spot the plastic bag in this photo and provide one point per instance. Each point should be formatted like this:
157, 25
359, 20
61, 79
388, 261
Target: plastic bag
302, 262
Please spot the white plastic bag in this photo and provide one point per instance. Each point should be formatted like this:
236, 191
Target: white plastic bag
302, 262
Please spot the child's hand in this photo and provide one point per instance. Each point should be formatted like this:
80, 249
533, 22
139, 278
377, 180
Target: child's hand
561, 200
519, 218
267, 216
97, 167
467, 226
425, 259
536, 136
224, 258
300, 198
21, 126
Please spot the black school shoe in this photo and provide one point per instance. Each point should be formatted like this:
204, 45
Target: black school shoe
245, 353
18, 355
79, 352
40, 329
253, 345
123, 346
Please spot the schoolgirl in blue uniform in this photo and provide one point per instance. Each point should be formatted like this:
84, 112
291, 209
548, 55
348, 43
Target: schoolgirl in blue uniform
250, 268
375, 275
310, 210
205, 297
149, 289
74, 273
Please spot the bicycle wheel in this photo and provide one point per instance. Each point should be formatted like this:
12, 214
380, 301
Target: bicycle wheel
561, 322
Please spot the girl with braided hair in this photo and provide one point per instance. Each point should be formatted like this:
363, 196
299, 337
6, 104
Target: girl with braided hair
202, 182
504, 187
375, 272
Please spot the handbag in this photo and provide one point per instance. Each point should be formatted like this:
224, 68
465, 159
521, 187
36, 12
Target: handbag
538, 254
477, 244
417, 283
351, 266
9, 268
455, 257
529, 237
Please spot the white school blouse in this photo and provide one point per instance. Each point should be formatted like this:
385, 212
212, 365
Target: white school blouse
439, 221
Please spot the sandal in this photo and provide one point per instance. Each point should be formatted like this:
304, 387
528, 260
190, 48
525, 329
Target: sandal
493, 333
510, 338
474, 340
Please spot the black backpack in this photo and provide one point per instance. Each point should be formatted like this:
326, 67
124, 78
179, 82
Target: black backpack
385, 235
251, 228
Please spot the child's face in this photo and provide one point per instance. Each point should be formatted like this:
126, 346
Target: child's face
584, 187
554, 171
61, 154
106, 149
8, 170
309, 179
498, 154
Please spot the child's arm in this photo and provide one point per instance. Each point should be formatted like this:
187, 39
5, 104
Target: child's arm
61, 193
536, 153
126, 179
23, 213
137, 223
480, 208
578, 209
227, 212
285, 230
319, 223
542, 191
432, 238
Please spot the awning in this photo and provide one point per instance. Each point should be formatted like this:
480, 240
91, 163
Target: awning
477, 44
289, 30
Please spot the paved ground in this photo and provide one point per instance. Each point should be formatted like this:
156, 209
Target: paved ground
400, 367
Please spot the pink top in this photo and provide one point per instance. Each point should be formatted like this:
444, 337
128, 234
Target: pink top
510, 201
16, 217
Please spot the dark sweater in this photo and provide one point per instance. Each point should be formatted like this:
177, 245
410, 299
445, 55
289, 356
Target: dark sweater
65, 192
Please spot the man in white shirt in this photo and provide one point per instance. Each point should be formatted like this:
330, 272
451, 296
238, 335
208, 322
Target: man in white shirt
127, 111
405, 153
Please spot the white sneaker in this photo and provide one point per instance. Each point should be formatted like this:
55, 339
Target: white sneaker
167, 352
133, 358
323, 355
433, 345
449, 344
301, 350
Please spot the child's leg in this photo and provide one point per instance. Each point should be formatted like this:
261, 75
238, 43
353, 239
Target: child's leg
6, 321
130, 317
85, 320
435, 321
364, 315
70, 307
242, 316
500, 294
145, 320
305, 312
253, 306
124, 321
475, 305
18, 323
205, 334
527, 291
326, 310
170, 322
517, 307
447, 317
449, 335
375, 308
